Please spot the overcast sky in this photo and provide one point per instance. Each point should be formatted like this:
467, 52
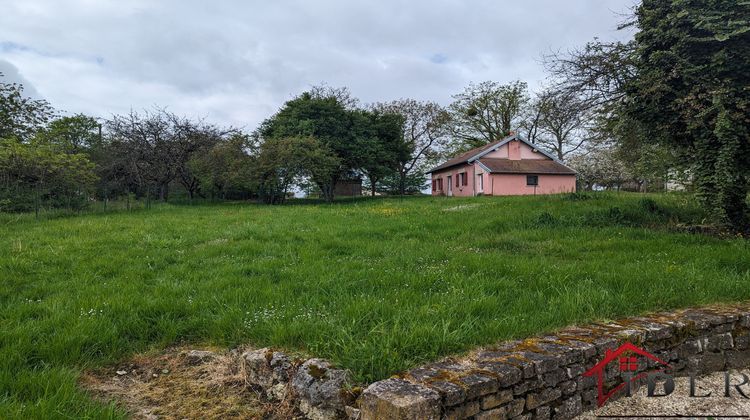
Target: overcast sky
237, 62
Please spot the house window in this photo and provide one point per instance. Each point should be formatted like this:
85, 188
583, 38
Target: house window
462, 179
480, 182
532, 180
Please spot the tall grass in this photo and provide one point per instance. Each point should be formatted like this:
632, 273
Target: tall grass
375, 285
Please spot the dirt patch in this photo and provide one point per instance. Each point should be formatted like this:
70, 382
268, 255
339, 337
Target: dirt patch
181, 383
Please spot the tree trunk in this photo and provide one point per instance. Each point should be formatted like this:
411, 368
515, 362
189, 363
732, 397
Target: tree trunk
327, 191
402, 183
163, 192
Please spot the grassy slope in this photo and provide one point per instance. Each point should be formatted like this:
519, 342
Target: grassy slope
377, 286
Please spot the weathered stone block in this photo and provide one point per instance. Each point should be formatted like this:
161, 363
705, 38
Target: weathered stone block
555, 377
463, 411
477, 385
585, 382
268, 369
197, 357
527, 385
497, 399
678, 365
543, 413
573, 371
450, 393
568, 387
632, 335
603, 344
719, 329
319, 386
703, 320
397, 399
657, 332
353, 413
515, 408
744, 320
689, 348
589, 395
569, 408
742, 341
434, 371
705, 363
738, 359
567, 354
494, 414
543, 363
715, 343
505, 374
535, 399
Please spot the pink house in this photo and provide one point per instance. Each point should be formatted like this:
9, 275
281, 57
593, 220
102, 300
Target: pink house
511, 166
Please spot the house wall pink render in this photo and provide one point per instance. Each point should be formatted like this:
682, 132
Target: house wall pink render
461, 190
515, 184
500, 183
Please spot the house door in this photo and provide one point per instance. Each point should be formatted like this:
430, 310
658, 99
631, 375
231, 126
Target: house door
450, 185
480, 183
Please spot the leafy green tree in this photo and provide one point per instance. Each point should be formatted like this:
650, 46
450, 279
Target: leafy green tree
328, 121
227, 169
361, 140
424, 136
20, 116
284, 163
381, 139
413, 183
691, 92
74, 134
34, 177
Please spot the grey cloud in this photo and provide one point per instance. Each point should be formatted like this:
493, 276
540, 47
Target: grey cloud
12, 75
237, 62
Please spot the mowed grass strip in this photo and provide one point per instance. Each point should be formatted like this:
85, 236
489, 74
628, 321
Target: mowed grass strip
376, 286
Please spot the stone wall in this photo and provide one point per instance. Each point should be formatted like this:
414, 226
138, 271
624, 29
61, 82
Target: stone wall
542, 377
314, 386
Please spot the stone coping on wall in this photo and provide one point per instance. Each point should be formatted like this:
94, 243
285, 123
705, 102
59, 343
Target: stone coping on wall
535, 378
542, 377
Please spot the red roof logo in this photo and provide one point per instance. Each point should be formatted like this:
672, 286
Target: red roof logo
626, 356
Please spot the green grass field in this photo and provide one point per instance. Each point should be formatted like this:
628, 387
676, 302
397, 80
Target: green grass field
376, 286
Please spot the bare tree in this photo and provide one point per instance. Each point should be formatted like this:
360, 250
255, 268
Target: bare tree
597, 73
532, 115
564, 123
486, 112
342, 95
157, 147
424, 134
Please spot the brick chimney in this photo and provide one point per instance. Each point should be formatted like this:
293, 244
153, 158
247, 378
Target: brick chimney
514, 150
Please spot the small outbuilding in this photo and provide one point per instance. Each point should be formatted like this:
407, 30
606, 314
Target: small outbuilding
351, 187
511, 166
